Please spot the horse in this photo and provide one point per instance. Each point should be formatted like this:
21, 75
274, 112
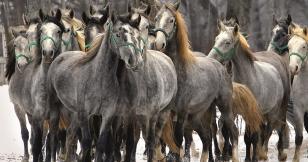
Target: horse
202, 82
280, 38
18, 58
298, 50
249, 69
94, 23
115, 76
29, 95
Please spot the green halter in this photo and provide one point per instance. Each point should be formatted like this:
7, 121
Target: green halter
66, 43
20, 55
87, 46
279, 49
225, 56
33, 43
303, 58
46, 37
168, 36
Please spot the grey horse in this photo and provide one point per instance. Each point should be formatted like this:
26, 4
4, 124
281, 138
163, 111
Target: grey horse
130, 80
202, 82
18, 58
298, 51
265, 73
30, 94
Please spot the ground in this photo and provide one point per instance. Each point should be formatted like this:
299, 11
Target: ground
11, 145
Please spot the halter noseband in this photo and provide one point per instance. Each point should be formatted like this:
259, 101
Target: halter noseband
225, 56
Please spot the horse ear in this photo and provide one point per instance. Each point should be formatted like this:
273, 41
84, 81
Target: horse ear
290, 29
275, 22
221, 26
135, 23
113, 17
158, 3
25, 19
177, 4
305, 31
14, 32
289, 19
85, 18
236, 29
58, 15
92, 10
107, 9
236, 20
129, 8
148, 10
42, 15
71, 14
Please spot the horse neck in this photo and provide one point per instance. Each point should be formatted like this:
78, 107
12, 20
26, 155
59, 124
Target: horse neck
106, 62
241, 66
173, 52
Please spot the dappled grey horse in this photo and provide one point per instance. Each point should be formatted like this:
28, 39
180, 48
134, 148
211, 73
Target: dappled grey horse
266, 74
18, 58
298, 53
115, 75
202, 82
27, 89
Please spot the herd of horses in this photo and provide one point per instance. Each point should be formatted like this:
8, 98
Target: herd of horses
104, 80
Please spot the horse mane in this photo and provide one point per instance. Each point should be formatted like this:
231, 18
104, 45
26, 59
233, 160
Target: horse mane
299, 31
11, 60
246, 48
78, 27
183, 42
92, 52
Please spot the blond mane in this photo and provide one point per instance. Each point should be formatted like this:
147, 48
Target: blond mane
92, 52
78, 27
246, 48
183, 43
299, 31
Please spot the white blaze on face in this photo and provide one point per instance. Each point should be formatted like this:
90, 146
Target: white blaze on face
276, 28
298, 50
165, 22
32, 37
21, 48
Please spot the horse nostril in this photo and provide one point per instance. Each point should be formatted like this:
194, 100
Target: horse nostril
164, 45
296, 68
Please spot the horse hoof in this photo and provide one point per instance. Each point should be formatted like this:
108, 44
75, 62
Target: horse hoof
295, 160
25, 159
282, 157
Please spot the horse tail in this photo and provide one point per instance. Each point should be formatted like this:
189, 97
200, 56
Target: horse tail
246, 105
168, 136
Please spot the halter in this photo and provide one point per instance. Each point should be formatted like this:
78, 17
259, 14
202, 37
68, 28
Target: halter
279, 49
33, 43
66, 43
225, 56
168, 36
46, 37
21, 55
303, 58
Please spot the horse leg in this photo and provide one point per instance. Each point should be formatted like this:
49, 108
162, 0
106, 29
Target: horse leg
132, 137
24, 131
204, 131
254, 140
283, 140
117, 127
247, 139
54, 118
37, 126
106, 138
151, 138
85, 140
224, 106
71, 142
61, 150
214, 137
188, 140
266, 133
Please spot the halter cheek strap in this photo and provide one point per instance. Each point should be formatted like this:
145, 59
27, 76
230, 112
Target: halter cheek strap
225, 56
303, 58
280, 50
168, 36
20, 55
33, 43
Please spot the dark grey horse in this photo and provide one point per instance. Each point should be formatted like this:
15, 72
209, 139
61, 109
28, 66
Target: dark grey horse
202, 82
267, 68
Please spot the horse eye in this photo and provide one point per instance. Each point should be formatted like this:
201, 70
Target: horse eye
171, 21
147, 27
228, 42
118, 35
58, 31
